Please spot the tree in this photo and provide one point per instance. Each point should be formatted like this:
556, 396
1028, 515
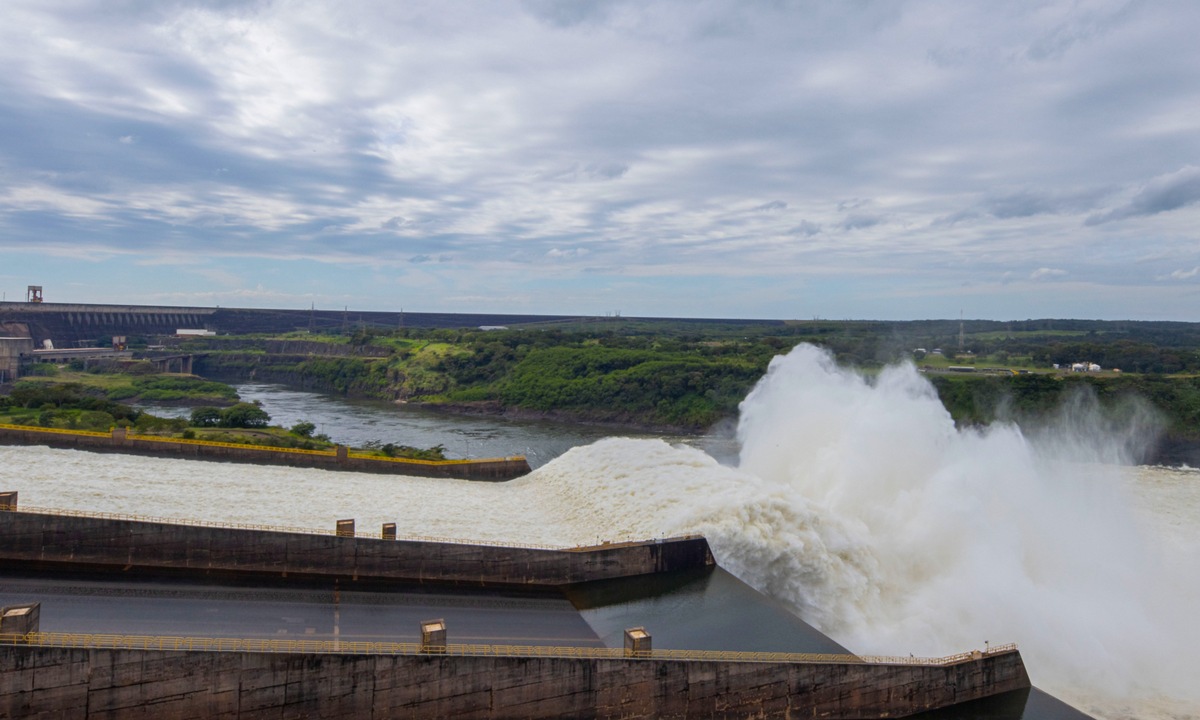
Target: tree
304, 429
244, 415
206, 417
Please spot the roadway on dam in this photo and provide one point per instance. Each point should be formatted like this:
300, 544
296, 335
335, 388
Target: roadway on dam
704, 609
695, 610
165, 607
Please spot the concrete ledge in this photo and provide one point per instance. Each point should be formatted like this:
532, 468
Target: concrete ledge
77, 682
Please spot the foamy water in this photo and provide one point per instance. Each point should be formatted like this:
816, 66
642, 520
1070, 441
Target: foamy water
856, 502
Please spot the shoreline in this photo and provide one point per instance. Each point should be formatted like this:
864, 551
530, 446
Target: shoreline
340, 458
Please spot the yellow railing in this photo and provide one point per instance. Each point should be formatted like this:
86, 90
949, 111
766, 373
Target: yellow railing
417, 461
268, 448
58, 431
200, 644
239, 446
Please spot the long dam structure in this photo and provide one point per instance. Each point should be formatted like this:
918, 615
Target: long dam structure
513, 631
70, 324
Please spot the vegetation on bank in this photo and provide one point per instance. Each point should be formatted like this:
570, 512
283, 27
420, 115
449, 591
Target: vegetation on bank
679, 374
619, 379
690, 374
74, 406
1033, 397
134, 383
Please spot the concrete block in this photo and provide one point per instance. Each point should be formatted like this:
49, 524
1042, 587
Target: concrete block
20, 619
637, 642
433, 636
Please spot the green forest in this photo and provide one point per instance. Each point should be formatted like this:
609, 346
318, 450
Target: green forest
688, 375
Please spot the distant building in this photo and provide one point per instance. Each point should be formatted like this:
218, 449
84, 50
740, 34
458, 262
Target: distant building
12, 349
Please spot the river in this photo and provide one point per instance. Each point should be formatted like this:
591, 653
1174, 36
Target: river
356, 422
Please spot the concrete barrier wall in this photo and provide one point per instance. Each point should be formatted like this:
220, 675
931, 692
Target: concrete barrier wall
35, 539
119, 441
70, 682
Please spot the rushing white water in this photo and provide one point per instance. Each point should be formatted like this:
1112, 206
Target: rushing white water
857, 502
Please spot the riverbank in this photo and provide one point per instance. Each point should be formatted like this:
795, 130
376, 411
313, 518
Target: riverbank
339, 458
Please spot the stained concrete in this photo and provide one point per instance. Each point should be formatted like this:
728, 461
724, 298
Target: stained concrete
103, 683
70, 682
33, 539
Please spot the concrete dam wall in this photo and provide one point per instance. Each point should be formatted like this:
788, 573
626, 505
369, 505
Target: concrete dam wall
110, 683
46, 674
67, 324
35, 540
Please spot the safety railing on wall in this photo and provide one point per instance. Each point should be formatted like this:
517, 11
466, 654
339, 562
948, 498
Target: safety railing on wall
252, 645
236, 446
265, 448
58, 431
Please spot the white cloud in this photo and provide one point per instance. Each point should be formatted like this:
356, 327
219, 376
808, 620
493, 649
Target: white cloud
1046, 273
567, 253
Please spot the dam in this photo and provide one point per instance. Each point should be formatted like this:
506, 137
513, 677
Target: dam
72, 324
527, 632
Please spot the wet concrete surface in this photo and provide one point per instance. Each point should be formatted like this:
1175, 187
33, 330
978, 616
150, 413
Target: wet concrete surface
707, 609
173, 608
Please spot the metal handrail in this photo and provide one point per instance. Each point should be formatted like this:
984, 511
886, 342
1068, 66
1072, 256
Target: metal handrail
202, 644
239, 446
59, 431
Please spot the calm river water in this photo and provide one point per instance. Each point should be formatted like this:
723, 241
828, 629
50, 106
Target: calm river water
356, 422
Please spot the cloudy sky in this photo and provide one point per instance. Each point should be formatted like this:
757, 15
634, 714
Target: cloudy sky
847, 159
